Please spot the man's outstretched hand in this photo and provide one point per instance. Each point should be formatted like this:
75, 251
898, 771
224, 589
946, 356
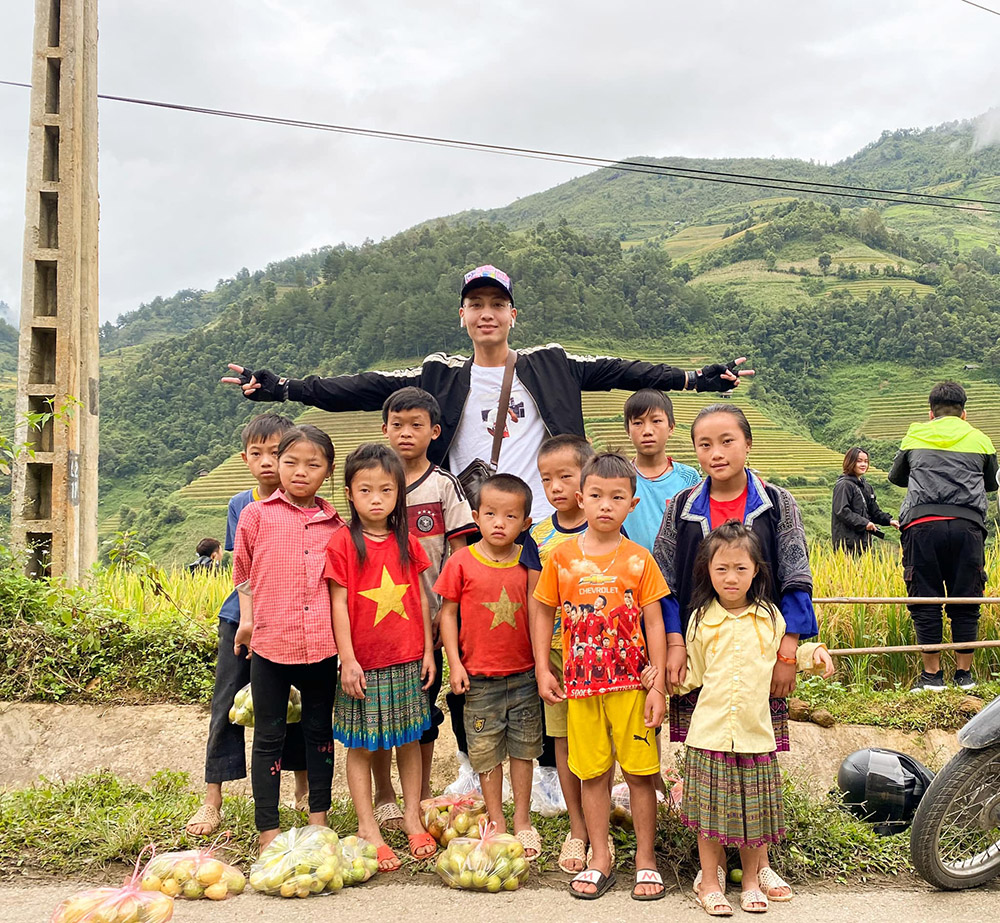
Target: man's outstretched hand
720, 377
262, 385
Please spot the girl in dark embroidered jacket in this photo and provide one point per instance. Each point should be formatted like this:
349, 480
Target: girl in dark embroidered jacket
722, 439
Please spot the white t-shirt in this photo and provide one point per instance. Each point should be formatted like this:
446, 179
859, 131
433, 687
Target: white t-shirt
523, 435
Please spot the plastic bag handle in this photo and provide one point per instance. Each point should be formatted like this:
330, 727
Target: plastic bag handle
130, 883
221, 840
487, 830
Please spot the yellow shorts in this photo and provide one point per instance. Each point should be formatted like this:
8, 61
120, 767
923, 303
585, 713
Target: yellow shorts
555, 715
603, 728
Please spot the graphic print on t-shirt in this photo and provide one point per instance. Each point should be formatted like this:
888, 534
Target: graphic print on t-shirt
387, 596
514, 413
503, 610
601, 599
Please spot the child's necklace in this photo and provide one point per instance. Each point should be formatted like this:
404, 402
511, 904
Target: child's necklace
583, 549
490, 557
653, 477
375, 534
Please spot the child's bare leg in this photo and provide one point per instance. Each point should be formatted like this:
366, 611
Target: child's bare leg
408, 759
301, 784
492, 785
359, 783
596, 809
521, 772
661, 786
711, 855
642, 797
426, 764
750, 860
382, 774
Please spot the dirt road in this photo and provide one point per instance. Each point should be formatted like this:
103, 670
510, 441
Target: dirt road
424, 901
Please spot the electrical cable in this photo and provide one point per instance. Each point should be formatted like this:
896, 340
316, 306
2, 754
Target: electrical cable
781, 184
979, 6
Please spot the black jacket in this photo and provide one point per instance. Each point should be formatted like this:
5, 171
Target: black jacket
553, 377
854, 506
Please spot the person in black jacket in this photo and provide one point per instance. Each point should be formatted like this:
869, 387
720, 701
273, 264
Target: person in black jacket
856, 513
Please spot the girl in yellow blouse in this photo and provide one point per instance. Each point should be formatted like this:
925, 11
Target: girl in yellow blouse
732, 783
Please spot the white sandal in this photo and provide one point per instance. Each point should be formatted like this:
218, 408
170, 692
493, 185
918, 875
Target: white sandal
769, 879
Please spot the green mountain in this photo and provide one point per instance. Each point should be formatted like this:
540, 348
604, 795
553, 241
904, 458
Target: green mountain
819, 291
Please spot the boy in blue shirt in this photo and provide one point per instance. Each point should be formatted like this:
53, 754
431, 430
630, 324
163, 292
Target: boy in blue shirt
649, 422
225, 756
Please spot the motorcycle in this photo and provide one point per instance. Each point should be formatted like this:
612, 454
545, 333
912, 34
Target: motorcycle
955, 838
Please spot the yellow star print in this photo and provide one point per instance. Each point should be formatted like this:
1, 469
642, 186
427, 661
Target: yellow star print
503, 610
388, 596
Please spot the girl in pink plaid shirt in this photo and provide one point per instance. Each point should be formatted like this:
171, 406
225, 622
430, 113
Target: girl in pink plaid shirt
383, 628
285, 620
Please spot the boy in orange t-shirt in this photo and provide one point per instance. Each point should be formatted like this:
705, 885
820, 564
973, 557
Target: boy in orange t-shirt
609, 714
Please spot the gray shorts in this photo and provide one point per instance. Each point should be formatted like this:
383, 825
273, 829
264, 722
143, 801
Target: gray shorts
503, 718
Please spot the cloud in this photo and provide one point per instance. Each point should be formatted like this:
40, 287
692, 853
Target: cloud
187, 199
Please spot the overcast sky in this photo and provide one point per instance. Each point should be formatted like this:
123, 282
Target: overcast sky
188, 199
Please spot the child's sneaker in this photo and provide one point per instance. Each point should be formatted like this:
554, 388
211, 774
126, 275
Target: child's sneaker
963, 679
928, 682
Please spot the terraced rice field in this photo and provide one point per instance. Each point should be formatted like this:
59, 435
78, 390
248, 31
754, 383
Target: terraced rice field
861, 288
891, 414
776, 452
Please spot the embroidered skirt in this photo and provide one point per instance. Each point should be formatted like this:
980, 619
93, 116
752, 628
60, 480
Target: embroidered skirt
393, 712
682, 710
734, 798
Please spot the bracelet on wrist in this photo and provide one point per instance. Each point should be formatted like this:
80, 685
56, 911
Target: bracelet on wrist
676, 645
656, 689
789, 660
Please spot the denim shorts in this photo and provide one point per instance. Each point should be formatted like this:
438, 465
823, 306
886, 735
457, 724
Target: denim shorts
503, 718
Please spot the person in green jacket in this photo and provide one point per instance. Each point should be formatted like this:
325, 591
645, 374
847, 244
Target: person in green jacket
947, 467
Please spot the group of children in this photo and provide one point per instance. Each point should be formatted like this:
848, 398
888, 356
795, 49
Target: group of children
610, 611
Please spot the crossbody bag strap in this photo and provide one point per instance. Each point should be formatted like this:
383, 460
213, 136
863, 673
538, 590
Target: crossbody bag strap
503, 407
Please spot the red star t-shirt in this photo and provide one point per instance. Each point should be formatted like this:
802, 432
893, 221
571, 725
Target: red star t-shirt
493, 637
383, 598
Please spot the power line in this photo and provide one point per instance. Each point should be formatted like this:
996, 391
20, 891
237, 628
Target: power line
780, 184
979, 6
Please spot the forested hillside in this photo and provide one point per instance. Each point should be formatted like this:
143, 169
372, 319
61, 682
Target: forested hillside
810, 287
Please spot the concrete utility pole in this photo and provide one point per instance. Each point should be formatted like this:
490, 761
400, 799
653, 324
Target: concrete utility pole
54, 503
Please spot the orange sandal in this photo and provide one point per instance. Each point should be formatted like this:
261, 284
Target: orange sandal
422, 841
385, 853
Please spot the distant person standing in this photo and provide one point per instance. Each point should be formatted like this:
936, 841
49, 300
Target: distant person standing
856, 514
947, 466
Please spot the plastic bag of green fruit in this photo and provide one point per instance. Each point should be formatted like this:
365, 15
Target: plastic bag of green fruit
242, 711
452, 816
127, 904
193, 874
360, 860
300, 862
495, 862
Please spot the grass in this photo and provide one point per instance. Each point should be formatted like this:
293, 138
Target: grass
880, 573
894, 707
98, 822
